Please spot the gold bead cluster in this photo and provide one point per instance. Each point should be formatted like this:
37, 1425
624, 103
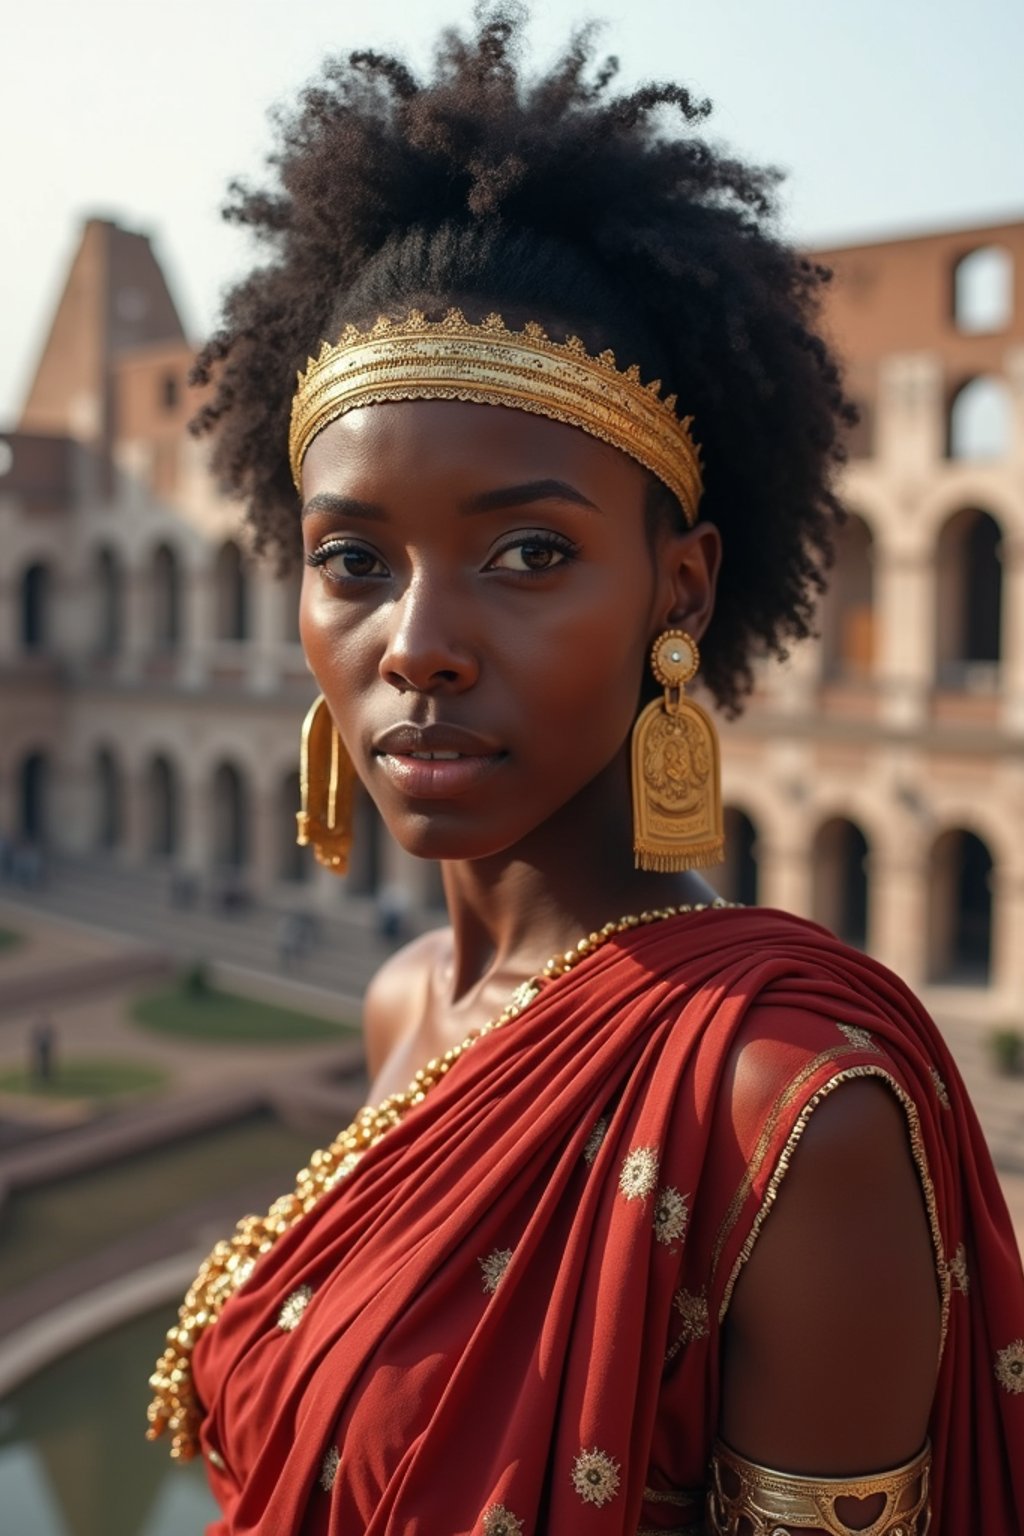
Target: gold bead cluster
175, 1408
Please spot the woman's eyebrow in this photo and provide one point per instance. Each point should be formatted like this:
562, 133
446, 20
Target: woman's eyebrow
342, 506
522, 495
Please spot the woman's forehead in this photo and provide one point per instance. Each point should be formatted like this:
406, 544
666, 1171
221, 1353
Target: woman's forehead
463, 444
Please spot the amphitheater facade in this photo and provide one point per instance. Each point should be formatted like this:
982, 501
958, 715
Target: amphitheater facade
152, 683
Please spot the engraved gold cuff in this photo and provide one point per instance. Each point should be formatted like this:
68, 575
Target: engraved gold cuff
745, 1499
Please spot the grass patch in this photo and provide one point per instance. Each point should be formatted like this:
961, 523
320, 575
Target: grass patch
43, 1229
88, 1077
9, 939
204, 1013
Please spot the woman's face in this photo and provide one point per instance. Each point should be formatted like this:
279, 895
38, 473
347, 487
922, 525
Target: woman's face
484, 578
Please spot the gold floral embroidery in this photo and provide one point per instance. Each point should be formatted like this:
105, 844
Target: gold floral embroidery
693, 1309
329, 1468
594, 1141
958, 1271
499, 1521
290, 1315
494, 1266
671, 1215
595, 1476
1010, 1366
859, 1038
639, 1175
941, 1091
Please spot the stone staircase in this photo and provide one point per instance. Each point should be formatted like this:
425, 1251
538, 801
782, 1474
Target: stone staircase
137, 903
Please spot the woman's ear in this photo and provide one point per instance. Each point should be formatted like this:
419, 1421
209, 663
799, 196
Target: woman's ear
688, 566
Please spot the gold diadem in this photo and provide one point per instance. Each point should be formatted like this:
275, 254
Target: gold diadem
488, 364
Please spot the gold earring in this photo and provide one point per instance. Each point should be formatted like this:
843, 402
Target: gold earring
326, 785
677, 795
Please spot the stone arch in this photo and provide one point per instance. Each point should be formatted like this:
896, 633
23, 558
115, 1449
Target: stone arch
848, 613
35, 604
291, 591
165, 570
108, 782
969, 601
366, 865
109, 609
294, 864
231, 593
162, 800
739, 877
961, 880
983, 290
231, 810
980, 419
840, 897
34, 790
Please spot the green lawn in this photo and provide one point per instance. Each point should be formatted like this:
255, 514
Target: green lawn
42, 1229
86, 1077
213, 1015
9, 939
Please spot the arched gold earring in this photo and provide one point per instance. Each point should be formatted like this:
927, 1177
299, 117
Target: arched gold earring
677, 794
327, 782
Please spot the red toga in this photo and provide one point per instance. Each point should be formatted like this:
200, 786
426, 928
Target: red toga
506, 1321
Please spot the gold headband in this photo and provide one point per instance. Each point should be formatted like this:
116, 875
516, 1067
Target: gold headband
453, 359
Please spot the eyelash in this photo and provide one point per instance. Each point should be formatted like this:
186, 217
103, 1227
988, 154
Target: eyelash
557, 542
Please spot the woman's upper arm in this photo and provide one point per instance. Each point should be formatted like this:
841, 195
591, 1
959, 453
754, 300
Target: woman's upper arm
831, 1343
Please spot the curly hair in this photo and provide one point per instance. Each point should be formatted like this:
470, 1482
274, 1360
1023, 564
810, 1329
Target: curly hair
556, 199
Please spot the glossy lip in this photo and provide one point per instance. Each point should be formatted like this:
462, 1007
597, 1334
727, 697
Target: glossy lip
412, 776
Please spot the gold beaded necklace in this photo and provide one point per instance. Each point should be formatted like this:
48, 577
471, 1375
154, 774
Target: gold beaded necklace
175, 1408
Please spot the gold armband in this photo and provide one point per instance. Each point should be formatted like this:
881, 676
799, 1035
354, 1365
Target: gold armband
747, 1500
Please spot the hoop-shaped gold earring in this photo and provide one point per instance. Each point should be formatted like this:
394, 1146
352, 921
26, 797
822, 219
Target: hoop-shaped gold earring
677, 795
326, 787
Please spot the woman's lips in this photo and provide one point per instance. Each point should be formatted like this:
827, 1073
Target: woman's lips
437, 778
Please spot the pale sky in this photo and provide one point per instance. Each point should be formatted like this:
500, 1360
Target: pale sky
889, 116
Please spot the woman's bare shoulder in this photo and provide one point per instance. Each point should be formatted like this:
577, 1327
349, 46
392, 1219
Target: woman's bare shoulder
396, 997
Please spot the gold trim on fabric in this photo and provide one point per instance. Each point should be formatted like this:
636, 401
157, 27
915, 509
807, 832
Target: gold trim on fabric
595, 1476
496, 1520
1009, 1367
672, 1530
917, 1149
488, 364
764, 1141
673, 1495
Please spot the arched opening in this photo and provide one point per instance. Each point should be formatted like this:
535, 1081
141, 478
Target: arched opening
36, 591
739, 878
969, 594
230, 818
848, 618
232, 594
979, 420
162, 809
365, 865
840, 880
960, 917
34, 797
166, 599
291, 592
983, 290
294, 864
107, 775
109, 601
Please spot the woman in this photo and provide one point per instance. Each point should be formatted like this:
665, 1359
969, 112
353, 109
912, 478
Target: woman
536, 1289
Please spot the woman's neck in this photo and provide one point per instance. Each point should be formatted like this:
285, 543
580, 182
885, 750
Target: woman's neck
513, 910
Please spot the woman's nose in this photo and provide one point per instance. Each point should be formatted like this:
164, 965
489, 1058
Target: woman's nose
422, 652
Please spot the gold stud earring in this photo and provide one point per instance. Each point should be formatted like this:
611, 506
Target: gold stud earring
677, 795
326, 786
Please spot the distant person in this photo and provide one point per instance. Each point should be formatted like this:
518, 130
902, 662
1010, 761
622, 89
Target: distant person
42, 1045
291, 939
665, 1214
392, 911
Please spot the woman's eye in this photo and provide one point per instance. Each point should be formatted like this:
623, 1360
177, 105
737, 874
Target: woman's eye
534, 555
341, 560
